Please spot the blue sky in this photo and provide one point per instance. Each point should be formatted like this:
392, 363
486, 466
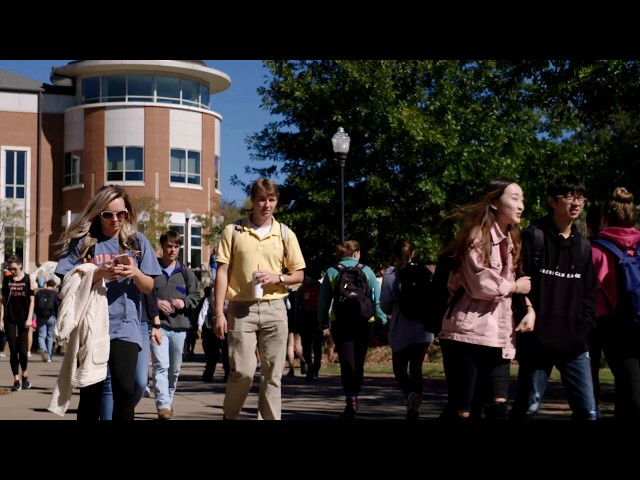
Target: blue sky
239, 106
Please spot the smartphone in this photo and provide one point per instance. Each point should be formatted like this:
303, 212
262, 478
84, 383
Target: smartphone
121, 259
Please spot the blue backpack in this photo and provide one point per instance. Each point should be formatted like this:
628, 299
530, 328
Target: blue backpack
628, 280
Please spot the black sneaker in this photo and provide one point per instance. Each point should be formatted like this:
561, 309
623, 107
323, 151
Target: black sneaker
303, 368
16, 386
350, 409
26, 384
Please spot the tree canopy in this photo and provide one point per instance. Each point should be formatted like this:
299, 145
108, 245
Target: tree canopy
427, 135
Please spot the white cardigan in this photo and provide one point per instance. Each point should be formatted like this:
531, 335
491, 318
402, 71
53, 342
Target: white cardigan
83, 321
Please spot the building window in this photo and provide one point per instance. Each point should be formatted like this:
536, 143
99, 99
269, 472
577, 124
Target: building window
71, 174
91, 90
140, 88
146, 88
125, 164
185, 167
195, 239
15, 171
216, 172
13, 241
114, 88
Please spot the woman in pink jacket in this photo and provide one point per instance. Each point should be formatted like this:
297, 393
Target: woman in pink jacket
620, 334
478, 338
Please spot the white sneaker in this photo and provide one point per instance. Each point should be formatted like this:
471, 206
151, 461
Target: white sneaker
48, 360
28, 354
2, 354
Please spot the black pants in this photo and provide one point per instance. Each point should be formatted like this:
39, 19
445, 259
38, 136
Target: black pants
311, 338
476, 375
123, 357
352, 341
214, 348
621, 346
407, 367
18, 340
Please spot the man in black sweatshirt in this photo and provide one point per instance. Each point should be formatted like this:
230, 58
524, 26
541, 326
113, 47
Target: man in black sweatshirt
563, 294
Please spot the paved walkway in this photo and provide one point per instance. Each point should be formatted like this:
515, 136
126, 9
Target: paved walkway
196, 400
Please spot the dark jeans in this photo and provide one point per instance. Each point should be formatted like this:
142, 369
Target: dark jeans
311, 338
476, 375
123, 357
18, 340
621, 346
407, 367
352, 341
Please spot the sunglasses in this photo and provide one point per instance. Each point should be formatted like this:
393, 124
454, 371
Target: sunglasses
121, 215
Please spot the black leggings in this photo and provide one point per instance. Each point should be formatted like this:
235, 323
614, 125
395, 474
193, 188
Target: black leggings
123, 357
621, 346
476, 375
352, 341
407, 367
311, 339
18, 340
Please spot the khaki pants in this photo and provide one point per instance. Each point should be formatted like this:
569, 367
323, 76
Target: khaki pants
250, 324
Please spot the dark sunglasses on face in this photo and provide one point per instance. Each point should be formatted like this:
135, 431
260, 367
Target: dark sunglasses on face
121, 215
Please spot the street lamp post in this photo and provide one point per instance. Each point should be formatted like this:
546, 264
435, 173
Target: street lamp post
340, 141
187, 249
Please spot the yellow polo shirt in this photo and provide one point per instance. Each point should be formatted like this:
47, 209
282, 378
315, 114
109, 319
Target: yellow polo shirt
251, 252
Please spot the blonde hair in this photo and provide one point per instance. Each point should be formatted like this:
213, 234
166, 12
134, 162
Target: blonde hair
87, 225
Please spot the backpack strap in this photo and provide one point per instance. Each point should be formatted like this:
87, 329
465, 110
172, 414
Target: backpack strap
538, 245
610, 246
284, 235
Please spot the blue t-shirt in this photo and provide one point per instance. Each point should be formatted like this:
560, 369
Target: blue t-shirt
124, 298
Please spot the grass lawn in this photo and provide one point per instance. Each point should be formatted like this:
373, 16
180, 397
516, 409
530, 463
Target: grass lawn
379, 362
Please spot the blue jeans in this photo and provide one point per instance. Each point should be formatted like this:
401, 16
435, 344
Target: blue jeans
142, 377
167, 361
575, 373
45, 334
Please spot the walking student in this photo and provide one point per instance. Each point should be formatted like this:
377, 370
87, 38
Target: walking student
105, 235
564, 296
478, 337
18, 301
351, 333
618, 326
178, 292
256, 263
407, 337
47, 302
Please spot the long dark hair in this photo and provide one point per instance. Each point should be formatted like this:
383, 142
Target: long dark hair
478, 219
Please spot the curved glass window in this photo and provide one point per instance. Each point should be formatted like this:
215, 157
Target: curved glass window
114, 88
145, 88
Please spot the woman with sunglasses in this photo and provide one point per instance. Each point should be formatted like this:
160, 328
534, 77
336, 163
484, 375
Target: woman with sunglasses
17, 298
101, 234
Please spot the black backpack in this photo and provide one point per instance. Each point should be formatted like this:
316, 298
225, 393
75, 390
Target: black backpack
414, 282
438, 303
45, 305
352, 295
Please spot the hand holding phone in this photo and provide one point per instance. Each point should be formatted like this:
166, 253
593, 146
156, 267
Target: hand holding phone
121, 259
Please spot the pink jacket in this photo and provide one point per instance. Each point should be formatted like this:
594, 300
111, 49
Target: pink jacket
483, 315
605, 262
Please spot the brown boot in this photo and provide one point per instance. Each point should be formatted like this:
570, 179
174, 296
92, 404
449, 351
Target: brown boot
164, 414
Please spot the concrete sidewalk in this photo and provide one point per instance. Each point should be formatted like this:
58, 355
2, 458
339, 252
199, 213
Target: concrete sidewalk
322, 399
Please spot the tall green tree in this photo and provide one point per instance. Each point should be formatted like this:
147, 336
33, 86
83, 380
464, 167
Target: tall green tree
427, 135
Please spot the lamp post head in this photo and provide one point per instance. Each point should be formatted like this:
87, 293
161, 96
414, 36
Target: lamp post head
340, 141
187, 214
